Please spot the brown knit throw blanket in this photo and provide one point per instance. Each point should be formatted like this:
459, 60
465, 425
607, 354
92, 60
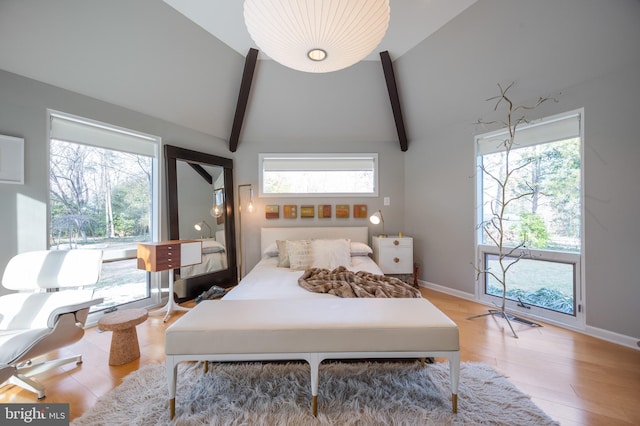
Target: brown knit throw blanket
344, 283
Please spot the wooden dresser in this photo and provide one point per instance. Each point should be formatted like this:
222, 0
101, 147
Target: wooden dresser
165, 255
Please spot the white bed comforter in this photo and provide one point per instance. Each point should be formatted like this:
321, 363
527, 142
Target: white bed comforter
211, 262
267, 281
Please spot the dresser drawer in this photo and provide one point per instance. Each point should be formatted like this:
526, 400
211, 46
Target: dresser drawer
396, 243
398, 262
394, 255
163, 256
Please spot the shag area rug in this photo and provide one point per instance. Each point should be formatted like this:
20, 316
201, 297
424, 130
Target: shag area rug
351, 393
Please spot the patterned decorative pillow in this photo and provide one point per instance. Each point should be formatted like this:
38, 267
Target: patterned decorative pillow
300, 254
283, 254
329, 254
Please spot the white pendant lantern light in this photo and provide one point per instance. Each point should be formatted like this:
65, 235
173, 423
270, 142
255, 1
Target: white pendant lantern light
317, 35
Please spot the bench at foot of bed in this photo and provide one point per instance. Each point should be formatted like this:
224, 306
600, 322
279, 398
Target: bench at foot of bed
311, 330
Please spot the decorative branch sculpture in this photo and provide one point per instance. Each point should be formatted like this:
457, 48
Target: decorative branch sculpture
495, 227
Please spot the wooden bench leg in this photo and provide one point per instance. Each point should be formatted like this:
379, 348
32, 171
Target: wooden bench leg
172, 377
454, 376
314, 405
314, 362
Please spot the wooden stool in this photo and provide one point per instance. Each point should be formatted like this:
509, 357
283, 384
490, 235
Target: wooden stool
124, 341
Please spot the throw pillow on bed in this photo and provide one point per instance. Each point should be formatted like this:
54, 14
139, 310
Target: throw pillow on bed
271, 251
329, 254
357, 249
360, 249
300, 254
283, 254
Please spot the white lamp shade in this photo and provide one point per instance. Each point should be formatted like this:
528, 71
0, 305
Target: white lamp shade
376, 218
295, 33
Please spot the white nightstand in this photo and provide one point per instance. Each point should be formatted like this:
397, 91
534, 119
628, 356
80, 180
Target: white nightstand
394, 255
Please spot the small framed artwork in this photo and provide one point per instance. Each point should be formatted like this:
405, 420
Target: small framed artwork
307, 212
359, 211
342, 211
11, 160
272, 211
290, 211
324, 211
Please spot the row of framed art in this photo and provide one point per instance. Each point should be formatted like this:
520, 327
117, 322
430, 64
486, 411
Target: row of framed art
309, 211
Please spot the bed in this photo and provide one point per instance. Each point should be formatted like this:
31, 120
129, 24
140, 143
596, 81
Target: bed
268, 316
268, 281
214, 257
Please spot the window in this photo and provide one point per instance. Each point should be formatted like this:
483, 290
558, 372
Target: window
331, 175
102, 194
546, 225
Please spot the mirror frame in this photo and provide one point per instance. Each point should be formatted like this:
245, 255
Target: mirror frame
225, 277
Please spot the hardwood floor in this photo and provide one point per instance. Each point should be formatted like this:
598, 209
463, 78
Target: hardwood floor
576, 379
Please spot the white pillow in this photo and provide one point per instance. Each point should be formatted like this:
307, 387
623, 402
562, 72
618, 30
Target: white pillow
271, 250
357, 249
300, 254
211, 246
360, 249
329, 254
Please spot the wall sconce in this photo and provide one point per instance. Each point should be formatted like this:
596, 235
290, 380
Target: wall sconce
250, 209
376, 219
218, 203
198, 227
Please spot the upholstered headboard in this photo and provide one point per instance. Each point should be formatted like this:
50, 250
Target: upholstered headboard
220, 235
354, 233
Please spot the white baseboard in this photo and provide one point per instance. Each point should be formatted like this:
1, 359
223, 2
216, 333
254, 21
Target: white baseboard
613, 337
598, 333
447, 290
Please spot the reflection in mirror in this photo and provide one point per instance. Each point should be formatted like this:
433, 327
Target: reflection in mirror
200, 196
196, 189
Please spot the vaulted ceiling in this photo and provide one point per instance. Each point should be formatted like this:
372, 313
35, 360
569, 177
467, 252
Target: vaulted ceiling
182, 61
411, 22
147, 56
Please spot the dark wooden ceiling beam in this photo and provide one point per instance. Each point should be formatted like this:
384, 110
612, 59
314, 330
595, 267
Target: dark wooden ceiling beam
202, 172
243, 98
390, 78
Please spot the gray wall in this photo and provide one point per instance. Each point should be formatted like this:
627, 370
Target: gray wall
23, 208
565, 50
345, 111
23, 114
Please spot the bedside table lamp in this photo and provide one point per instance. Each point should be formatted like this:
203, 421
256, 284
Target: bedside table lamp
377, 219
198, 227
167, 256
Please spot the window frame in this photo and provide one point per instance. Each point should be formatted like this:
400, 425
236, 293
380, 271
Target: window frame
153, 280
373, 157
576, 321
546, 314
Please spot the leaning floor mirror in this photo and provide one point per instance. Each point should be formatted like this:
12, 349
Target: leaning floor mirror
200, 207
